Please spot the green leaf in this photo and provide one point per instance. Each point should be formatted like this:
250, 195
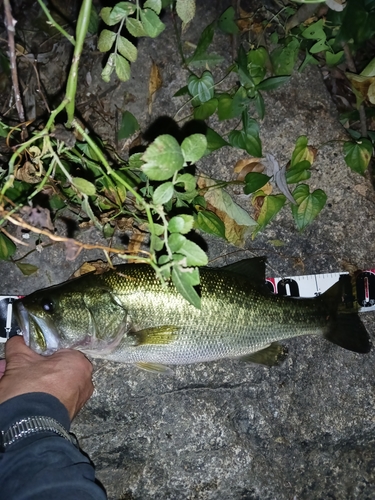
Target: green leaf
231, 107
188, 180
300, 150
224, 202
319, 46
193, 147
248, 138
315, 31
227, 22
181, 224
158, 229
205, 60
201, 88
108, 68
135, 27
56, 202
151, 23
163, 193
240, 102
106, 40
309, 59
7, 247
84, 186
26, 269
129, 124
257, 58
163, 158
334, 59
182, 282
271, 207
181, 91
242, 68
284, 58
259, 105
358, 155
115, 15
210, 223
204, 42
135, 161
108, 230
94, 21
185, 10
122, 68
214, 141
4, 130
254, 181
205, 110
158, 244
195, 256
176, 241
298, 172
127, 49
155, 5
273, 82
308, 205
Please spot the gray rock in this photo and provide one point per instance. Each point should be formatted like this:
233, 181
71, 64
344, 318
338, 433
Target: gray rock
229, 430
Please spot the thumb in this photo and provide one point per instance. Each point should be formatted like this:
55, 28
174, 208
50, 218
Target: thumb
16, 347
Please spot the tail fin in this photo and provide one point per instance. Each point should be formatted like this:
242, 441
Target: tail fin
345, 327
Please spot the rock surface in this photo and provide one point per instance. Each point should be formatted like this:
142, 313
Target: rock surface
228, 430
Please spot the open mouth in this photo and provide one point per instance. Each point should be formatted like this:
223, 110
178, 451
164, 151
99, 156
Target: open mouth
39, 333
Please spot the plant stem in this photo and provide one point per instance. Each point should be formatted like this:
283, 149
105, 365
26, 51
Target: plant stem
37, 136
81, 31
55, 24
122, 181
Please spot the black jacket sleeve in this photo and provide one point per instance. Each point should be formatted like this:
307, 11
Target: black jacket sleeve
44, 466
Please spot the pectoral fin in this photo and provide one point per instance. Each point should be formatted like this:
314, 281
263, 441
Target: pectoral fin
158, 335
270, 356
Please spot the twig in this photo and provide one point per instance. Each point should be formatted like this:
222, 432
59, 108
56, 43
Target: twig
10, 24
17, 221
13, 238
353, 69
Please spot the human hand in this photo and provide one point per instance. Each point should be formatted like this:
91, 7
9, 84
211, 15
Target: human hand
66, 374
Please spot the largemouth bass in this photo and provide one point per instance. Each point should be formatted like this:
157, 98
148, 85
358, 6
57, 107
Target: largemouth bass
126, 315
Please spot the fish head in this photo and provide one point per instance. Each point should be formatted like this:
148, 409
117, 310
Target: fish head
88, 318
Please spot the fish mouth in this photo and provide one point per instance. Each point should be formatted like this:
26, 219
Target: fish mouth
39, 333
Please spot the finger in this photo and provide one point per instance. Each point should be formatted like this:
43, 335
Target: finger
16, 346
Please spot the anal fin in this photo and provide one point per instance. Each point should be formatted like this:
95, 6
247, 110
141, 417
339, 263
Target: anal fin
154, 367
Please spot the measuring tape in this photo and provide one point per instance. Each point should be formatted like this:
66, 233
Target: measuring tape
310, 285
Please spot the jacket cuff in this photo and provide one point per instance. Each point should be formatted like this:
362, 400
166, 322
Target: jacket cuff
33, 404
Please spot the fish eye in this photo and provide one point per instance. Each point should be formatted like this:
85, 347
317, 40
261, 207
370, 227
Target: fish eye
47, 305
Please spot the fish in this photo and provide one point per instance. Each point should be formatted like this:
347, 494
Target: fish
127, 315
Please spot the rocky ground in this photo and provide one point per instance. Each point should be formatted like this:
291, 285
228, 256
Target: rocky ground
228, 430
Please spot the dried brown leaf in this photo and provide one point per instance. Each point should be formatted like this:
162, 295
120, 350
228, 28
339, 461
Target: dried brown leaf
37, 217
247, 165
97, 267
29, 172
154, 83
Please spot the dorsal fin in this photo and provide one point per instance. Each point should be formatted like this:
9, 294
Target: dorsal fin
252, 269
